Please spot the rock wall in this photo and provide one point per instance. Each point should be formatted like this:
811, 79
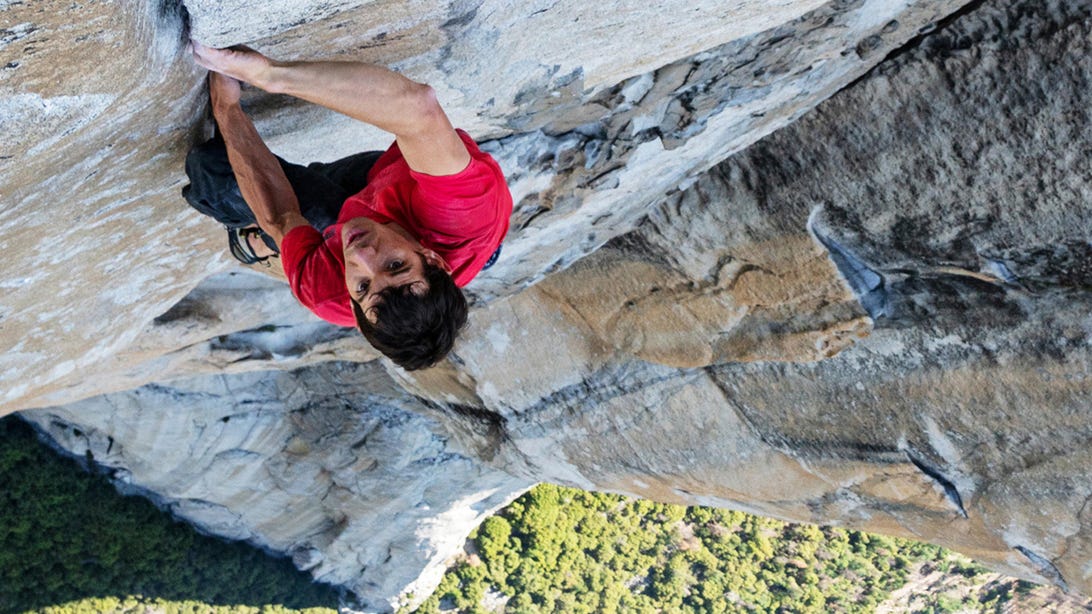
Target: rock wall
584, 150
874, 317
363, 485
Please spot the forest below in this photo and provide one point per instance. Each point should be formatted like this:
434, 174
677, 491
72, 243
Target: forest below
69, 543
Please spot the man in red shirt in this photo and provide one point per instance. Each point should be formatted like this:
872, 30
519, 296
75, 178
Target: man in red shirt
382, 242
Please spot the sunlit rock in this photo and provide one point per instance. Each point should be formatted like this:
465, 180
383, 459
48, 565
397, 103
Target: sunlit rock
873, 314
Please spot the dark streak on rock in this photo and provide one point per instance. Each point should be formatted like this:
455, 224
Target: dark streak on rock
174, 14
865, 282
950, 489
637, 245
604, 385
480, 414
462, 14
528, 214
799, 445
489, 425
462, 19
1045, 567
917, 41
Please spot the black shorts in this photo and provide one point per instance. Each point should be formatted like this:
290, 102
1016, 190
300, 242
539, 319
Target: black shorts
321, 188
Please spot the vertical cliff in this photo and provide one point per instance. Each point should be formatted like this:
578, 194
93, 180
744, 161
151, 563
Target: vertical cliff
871, 312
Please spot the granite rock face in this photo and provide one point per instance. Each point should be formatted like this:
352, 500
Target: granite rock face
334, 465
584, 149
873, 314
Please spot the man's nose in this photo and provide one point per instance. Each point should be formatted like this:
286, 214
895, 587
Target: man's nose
363, 255
379, 284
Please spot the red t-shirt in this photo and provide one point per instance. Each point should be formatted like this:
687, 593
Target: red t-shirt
462, 217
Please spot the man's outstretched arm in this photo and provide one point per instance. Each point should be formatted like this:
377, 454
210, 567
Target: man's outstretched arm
365, 92
261, 179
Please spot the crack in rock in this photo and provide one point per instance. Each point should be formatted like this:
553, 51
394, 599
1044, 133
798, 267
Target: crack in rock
1045, 567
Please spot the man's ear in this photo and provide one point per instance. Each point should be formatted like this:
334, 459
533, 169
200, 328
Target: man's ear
435, 260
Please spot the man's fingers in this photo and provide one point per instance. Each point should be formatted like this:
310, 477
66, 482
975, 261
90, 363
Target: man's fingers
223, 88
209, 57
239, 62
206, 51
199, 50
199, 54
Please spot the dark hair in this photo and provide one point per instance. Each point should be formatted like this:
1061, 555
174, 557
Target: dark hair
416, 331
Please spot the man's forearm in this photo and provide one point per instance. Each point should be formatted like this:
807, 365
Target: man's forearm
369, 93
262, 181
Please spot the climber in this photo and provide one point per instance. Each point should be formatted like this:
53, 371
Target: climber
382, 241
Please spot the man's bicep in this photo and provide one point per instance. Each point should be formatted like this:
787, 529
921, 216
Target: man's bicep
433, 147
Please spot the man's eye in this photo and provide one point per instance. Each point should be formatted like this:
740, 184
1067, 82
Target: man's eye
395, 265
362, 288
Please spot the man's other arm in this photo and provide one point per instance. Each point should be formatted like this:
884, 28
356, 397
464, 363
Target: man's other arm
261, 179
366, 92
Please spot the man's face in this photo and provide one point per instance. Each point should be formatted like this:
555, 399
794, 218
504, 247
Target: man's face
380, 256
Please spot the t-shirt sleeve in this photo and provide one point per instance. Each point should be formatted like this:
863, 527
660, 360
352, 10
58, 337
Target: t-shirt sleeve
315, 276
467, 203
474, 182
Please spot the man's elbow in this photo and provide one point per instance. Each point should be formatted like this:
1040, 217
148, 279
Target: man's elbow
278, 224
423, 111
